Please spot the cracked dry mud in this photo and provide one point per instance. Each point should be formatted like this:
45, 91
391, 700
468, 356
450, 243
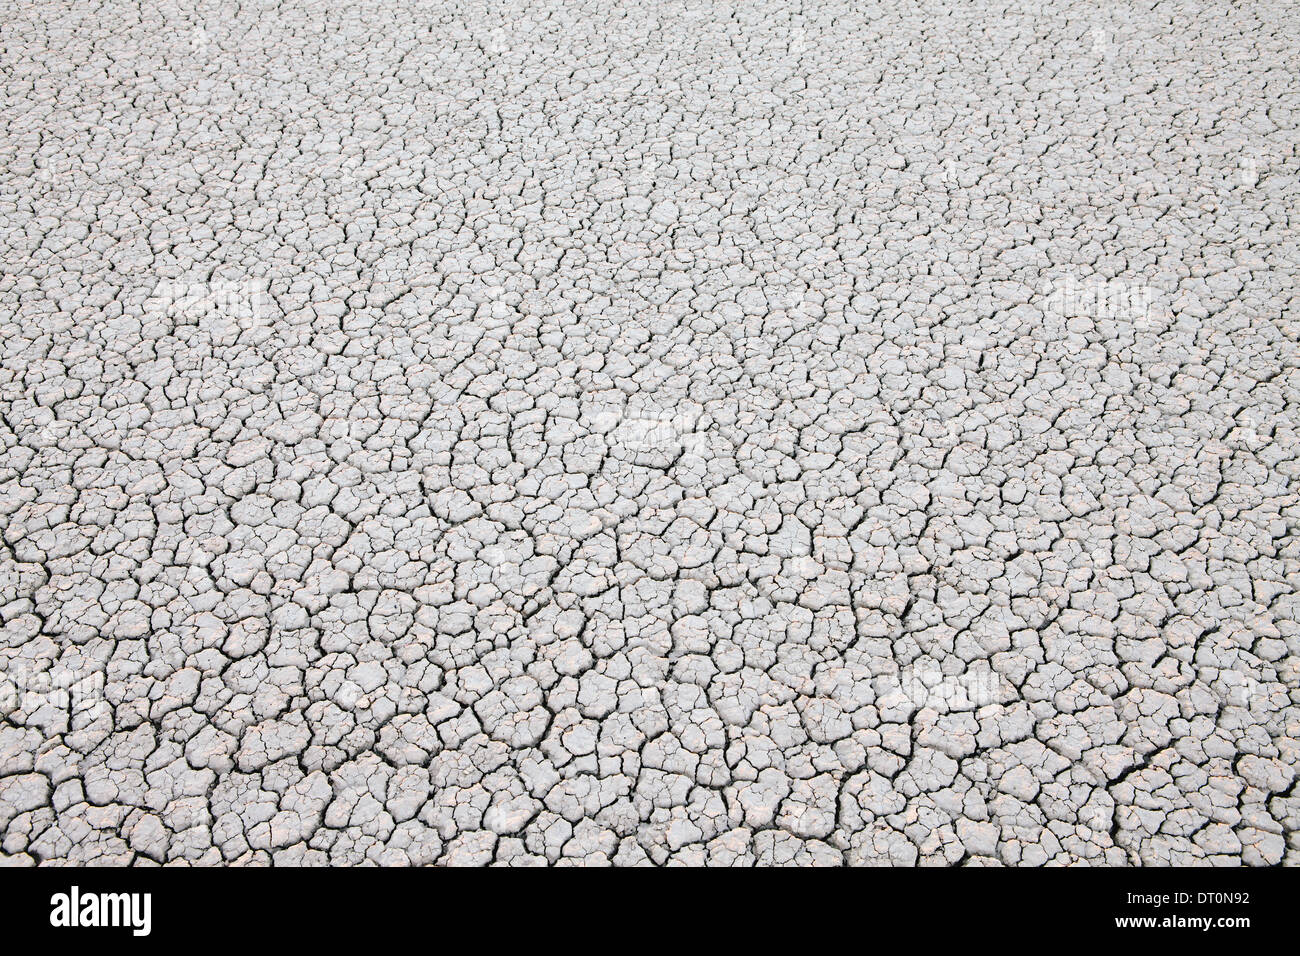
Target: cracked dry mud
663, 433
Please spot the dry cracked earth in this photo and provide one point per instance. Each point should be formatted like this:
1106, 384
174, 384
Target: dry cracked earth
727, 433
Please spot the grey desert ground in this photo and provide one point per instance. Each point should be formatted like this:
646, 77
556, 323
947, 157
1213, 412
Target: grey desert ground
762, 432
